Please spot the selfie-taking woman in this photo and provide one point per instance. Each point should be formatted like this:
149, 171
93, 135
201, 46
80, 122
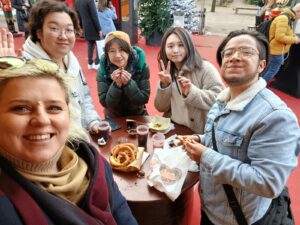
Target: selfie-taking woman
49, 173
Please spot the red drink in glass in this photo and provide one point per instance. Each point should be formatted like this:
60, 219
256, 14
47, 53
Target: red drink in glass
142, 132
104, 130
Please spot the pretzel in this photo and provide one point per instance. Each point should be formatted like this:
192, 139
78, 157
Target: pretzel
127, 147
122, 155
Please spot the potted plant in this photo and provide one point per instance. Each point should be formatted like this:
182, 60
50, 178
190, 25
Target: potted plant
154, 19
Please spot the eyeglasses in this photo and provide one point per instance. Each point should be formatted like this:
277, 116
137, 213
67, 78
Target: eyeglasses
11, 62
56, 31
242, 52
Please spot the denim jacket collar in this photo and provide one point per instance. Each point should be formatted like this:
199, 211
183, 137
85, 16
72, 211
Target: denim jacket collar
244, 98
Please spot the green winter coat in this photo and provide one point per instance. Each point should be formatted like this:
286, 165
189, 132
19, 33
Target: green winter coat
130, 99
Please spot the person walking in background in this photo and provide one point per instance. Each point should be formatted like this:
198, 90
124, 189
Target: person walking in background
281, 37
7, 10
260, 5
250, 143
106, 15
91, 29
123, 77
53, 27
266, 9
188, 85
23, 9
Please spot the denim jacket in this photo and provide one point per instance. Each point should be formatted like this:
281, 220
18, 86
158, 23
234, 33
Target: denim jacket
257, 137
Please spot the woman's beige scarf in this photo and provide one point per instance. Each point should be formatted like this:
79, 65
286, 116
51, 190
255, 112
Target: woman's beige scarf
70, 181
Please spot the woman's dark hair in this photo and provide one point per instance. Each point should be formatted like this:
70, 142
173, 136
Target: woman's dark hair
124, 46
262, 44
193, 59
41, 9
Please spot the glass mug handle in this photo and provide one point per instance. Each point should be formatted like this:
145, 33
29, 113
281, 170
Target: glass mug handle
101, 141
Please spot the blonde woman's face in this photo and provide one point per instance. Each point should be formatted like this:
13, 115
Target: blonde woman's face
34, 118
175, 50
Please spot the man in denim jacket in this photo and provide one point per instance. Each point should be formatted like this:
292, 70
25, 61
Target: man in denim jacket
257, 136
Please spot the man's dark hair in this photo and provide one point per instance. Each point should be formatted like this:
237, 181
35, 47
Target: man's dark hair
261, 42
41, 9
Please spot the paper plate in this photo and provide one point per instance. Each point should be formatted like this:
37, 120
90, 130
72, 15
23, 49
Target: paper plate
159, 124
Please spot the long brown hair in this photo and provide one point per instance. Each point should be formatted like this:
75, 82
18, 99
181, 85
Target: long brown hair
193, 59
102, 5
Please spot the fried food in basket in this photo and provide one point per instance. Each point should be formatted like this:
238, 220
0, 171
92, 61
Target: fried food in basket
122, 155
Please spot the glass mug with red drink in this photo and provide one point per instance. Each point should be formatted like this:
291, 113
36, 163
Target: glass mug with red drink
142, 133
104, 130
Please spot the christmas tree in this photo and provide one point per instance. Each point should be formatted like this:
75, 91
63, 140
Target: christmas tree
192, 16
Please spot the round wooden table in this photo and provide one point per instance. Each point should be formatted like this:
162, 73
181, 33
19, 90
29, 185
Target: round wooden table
148, 205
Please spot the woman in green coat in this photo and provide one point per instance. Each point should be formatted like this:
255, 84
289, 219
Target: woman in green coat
123, 77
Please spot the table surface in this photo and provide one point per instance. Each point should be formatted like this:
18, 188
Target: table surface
135, 188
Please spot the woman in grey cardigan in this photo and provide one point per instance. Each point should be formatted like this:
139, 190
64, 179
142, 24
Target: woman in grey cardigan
188, 85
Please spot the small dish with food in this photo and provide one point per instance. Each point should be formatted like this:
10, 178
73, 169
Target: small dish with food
159, 124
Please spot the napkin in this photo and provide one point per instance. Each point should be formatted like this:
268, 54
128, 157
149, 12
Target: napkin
193, 166
168, 170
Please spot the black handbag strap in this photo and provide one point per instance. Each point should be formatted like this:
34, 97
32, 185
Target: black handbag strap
233, 202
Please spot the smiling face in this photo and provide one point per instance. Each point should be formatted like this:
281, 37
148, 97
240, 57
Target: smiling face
34, 118
117, 55
57, 37
239, 69
175, 50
